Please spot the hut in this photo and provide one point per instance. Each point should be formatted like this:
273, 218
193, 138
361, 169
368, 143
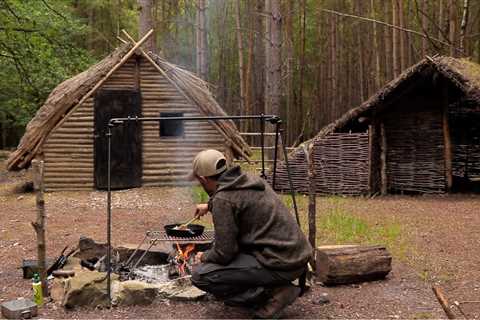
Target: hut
419, 134
68, 131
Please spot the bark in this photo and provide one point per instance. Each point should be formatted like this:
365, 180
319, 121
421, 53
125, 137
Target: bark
241, 67
274, 39
395, 41
289, 88
452, 25
388, 44
424, 26
39, 224
145, 24
344, 264
463, 27
376, 50
201, 39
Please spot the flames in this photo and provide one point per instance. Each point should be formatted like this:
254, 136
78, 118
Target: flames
183, 257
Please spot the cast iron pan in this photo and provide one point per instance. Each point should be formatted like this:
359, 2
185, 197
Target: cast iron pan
192, 230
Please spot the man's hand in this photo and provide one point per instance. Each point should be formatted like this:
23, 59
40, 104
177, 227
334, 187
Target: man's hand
201, 210
198, 257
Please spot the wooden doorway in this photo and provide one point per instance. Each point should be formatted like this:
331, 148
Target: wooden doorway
126, 151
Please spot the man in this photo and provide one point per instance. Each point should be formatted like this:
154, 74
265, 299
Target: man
259, 249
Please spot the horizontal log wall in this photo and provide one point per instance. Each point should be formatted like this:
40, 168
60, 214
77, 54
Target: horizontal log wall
68, 150
415, 153
167, 160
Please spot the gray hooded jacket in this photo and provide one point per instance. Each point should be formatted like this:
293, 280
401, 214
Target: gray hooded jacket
249, 217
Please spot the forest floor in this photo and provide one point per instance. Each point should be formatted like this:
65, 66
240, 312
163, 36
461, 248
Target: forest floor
434, 239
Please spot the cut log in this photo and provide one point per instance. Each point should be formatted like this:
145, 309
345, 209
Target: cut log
344, 264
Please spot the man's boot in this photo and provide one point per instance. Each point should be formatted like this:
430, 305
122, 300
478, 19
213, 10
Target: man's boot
281, 298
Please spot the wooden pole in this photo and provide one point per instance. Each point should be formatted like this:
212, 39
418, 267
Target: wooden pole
312, 205
446, 138
370, 160
39, 225
383, 159
443, 301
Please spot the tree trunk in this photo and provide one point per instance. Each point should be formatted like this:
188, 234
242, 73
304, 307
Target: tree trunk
376, 51
463, 26
388, 42
395, 40
452, 26
274, 42
424, 26
201, 40
241, 67
145, 24
344, 264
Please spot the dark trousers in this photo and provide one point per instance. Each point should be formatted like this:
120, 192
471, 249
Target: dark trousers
243, 282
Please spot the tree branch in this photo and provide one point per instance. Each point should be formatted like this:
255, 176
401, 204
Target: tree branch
391, 26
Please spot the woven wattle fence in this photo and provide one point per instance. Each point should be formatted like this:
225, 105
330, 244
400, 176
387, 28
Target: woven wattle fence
415, 152
341, 166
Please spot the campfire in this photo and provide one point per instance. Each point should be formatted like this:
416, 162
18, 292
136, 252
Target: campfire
160, 266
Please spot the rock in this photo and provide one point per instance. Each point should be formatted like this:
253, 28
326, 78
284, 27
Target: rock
133, 292
86, 288
189, 294
323, 299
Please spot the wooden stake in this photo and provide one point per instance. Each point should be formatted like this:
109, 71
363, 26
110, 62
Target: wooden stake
312, 205
39, 225
383, 159
446, 138
371, 188
443, 301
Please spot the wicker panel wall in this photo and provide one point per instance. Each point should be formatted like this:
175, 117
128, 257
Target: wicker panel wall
341, 164
415, 151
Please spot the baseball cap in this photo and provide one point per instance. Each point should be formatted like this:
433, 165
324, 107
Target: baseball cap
208, 163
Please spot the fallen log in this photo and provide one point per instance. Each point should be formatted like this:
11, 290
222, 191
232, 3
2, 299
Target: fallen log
345, 264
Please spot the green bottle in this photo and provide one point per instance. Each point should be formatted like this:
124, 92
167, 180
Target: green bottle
37, 290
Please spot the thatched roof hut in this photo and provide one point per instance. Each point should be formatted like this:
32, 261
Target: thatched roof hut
68, 130
416, 134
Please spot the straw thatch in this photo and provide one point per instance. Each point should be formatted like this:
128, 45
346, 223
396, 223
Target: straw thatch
66, 97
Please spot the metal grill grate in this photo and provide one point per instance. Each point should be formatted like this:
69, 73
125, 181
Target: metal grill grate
206, 237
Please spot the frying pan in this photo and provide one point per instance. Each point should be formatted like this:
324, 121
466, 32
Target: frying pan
192, 230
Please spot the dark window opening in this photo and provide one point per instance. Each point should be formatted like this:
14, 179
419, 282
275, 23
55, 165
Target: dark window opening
171, 128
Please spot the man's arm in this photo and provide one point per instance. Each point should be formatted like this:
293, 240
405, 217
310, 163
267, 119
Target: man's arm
225, 246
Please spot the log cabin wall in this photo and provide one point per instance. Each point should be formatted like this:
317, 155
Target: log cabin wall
166, 160
68, 151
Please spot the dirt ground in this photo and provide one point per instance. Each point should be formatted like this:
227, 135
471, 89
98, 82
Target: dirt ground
442, 234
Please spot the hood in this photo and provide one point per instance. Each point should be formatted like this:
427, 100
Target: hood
235, 179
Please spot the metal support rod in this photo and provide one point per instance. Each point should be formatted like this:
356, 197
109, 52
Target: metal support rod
290, 181
109, 213
117, 121
277, 129
262, 131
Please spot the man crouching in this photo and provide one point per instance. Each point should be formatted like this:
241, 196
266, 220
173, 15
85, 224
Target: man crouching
258, 250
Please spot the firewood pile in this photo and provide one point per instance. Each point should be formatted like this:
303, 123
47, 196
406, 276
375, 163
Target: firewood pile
415, 152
